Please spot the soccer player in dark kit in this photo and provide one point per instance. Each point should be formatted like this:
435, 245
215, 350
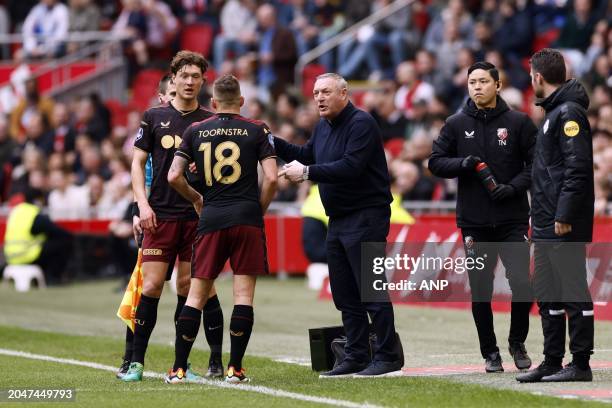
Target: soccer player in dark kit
226, 149
169, 222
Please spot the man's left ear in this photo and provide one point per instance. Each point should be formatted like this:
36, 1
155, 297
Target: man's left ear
241, 101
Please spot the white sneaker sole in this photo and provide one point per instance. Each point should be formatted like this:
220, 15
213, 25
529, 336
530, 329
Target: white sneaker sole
337, 376
397, 373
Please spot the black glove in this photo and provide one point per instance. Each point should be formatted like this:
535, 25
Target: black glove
470, 162
502, 192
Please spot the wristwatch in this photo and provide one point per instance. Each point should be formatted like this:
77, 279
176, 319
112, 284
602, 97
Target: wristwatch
305, 173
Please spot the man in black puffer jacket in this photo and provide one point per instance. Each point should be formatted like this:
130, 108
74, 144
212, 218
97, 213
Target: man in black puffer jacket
486, 130
562, 193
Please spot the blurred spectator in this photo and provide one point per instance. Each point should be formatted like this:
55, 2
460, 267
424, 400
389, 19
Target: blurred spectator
426, 66
45, 30
286, 106
245, 72
64, 134
238, 30
408, 181
578, 27
92, 119
67, 201
277, 51
391, 32
513, 38
7, 144
5, 28
32, 160
95, 188
32, 238
448, 50
411, 88
32, 102
391, 120
131, 26
37, 133
162, 27
462, 21
207, 11
301, 23
91, 164
256, 109
84, 16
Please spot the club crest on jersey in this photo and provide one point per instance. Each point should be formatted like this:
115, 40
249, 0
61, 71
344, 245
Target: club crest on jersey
165, 124
502, 135
140, 133
469, 135
469, 244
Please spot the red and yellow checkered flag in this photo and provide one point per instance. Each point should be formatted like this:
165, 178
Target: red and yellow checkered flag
131, 297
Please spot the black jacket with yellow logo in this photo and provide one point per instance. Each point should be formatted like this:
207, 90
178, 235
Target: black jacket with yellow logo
562, 181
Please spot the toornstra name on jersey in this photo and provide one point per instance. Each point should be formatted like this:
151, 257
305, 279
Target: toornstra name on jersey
223, 132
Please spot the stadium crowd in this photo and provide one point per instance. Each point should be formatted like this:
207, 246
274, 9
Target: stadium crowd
409, 72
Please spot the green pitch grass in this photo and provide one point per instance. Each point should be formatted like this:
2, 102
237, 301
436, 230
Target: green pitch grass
78, 322
99, 388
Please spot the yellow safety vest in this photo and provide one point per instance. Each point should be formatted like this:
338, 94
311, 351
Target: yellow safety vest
20, 246
398, 214
313, 207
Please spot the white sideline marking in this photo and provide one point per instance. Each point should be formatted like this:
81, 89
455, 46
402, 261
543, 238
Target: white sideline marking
220, 384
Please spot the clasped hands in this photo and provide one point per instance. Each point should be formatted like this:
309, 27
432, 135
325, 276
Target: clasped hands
293, 171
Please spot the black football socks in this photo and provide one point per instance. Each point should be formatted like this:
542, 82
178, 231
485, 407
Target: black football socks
241, 326
146, 316
212, 319
186, 333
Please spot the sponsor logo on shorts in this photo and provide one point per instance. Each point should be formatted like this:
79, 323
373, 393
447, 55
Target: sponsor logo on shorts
152, 251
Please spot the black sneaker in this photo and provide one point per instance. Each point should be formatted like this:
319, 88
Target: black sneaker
123, 369
570, 372
493, 363
538, 373
345, 369
520, 356
379, 368
215, 368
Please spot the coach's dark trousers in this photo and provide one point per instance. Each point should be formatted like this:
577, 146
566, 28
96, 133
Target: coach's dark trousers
344, 239
560, 284
489, 243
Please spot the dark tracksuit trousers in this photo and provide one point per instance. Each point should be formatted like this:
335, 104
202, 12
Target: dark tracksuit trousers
560, 285
515, 258
344, 238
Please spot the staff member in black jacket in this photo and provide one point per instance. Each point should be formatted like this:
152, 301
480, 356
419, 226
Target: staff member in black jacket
345, 156
486, 130
563, 200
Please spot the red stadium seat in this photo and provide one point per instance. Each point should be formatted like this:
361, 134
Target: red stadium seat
197, 37
394, 146
309, 77
145, 87
118, 112
545, 39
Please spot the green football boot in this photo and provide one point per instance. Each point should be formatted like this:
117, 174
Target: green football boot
134, 373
